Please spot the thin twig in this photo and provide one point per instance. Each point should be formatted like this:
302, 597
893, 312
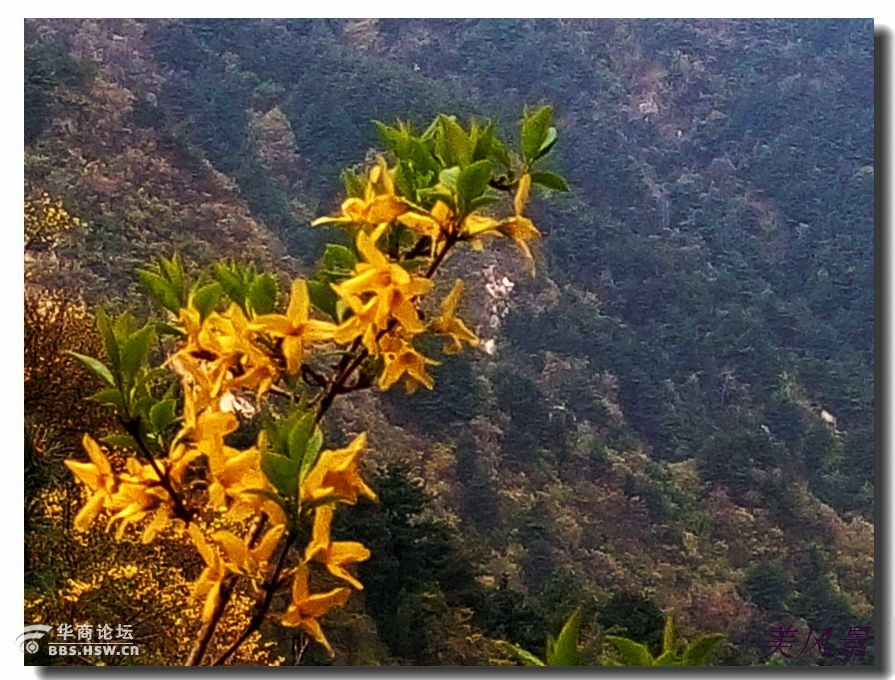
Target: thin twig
344, 371
270, 587
133, 429
349, 362
227, 586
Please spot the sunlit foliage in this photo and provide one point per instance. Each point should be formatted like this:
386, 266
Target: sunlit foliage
189, 466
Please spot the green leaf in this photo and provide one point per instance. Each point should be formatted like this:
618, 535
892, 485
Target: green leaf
98, 368
315, 443
123, 327
631, 653
111, 396
342, 310
299, 435
483, 201
697, 651
282, 472
104, 324
276, 436
550, 180
439, 195
499, 152
423, 161
564, 650
429, 133
523, 655
449, 176
161, 289
339, 259
452, 144
405, 180
483, 141
233, 282
134, 353
472, 181
162, 328
534, 131
390, 136
206, 298
668, 658
162, 414
353, 183
669, 634
173, 271
323, 297
262, 294
547, 144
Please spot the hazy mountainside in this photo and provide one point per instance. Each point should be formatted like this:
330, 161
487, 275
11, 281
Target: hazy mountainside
681, 403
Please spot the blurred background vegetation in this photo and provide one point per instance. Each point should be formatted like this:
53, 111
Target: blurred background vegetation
678, 413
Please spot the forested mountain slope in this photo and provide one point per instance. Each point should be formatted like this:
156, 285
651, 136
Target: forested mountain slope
679, 409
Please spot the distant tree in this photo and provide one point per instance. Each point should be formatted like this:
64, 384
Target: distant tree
634, 616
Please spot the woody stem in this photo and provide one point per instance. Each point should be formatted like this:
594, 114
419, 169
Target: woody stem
227, 587
345, 369
270, 586
349, 363
132, 427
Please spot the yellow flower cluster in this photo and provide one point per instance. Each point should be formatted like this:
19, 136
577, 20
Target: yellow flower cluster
46, 219
129, 496
444, 225
221, 354
381, 206
244, 507
383, 295
333, 479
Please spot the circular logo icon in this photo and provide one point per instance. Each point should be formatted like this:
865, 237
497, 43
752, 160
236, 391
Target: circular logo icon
31, 634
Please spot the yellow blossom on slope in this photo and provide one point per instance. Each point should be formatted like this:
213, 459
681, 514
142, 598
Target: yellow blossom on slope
222, 354
208, 585
296, 328
380, 205
437, 224
138, 494
242, 559
209, 427
305, 608
334, 554
520, 228
447, 323
441, 222
336, 473
393, 286
401, 359
362, 324
98, 477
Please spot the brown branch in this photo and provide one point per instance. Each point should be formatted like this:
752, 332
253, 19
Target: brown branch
227, 586
312, 377
209, 626
132, 427
438, 259
349, 363
270, 586
337, 385
345, 369
420, 248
